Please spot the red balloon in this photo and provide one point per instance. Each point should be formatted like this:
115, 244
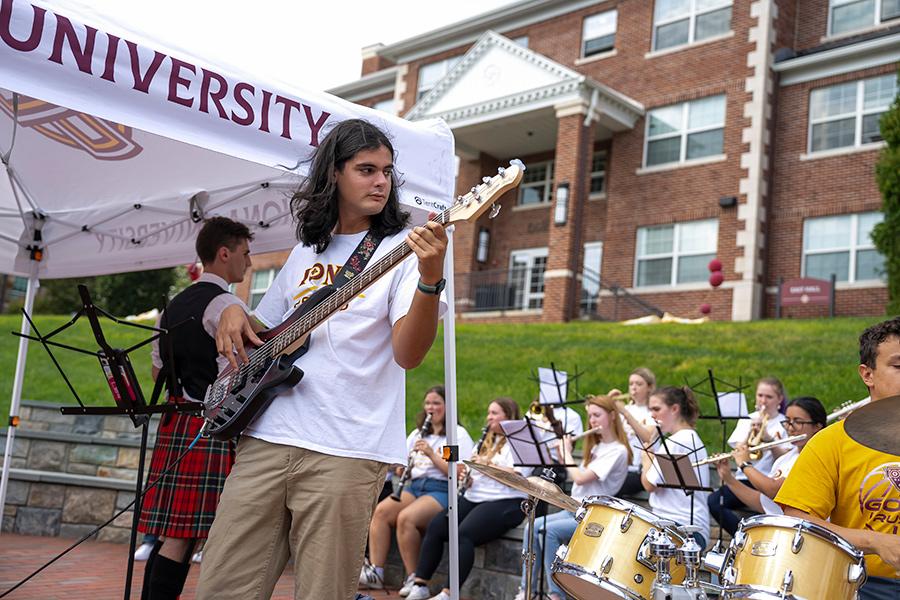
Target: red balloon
715, 265
716, 278
705, 308
194, 271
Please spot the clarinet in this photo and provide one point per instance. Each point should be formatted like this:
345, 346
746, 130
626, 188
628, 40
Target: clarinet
468, 479
407, 471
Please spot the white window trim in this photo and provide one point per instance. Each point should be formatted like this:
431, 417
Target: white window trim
692, 21
853, 248
695, 162
420, 93
876, 24
843, 151
272, 274
531, 253
675, 255
548, 185
684, 132
605, 172
583, 60
858, 114
585, 40
665, 51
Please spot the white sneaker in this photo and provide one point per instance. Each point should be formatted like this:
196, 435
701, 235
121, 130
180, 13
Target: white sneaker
441, 596
419, 592
143, 552
369, 578
520, 595
197, 557
407, 585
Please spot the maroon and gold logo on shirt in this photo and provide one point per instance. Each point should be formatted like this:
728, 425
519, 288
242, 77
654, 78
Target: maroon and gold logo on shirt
879, 498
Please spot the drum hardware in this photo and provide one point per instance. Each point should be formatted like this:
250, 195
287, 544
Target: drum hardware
528, 507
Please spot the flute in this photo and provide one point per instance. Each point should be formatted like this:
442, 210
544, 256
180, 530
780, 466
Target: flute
846, 408
724, 455
586, 433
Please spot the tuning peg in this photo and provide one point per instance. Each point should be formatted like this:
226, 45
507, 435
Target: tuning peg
473, 190
486, 180
495, 210
501, 171
459, 199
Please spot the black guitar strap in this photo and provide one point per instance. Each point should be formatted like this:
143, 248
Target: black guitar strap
357, 261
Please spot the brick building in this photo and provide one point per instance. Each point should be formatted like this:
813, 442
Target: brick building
658, 135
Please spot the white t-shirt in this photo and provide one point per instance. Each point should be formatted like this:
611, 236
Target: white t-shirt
609, 461
674, 504
485, 489
781, 468
569, 419
422, 465
351, 399
773, 431
642, 415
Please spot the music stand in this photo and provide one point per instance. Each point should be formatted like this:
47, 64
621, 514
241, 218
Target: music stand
124, 386
553, 389
676, 469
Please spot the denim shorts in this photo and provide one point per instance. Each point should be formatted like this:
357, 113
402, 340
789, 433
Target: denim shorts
424, 486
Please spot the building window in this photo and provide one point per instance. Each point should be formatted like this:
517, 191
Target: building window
680, 22
522, 40
853, 15
536, 184
526, 277
842, 245
260, 283
590, 277
389, 106
847, 114
598, 173
598, 33
431, 73
687, 131
672, 254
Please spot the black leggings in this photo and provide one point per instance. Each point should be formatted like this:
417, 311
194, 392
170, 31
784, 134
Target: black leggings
479, 523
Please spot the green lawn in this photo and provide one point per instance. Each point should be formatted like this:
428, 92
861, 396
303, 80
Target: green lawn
812, 357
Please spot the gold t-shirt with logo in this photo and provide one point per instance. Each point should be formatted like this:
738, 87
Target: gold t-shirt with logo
839, 479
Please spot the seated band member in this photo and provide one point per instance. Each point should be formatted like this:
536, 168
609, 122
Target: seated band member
769, 398
423, 497
601, 472
675, 410
309, 467
486, 511
805, 415
180, 509
856, 488
641, 383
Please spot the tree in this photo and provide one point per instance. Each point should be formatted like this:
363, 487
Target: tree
886, 234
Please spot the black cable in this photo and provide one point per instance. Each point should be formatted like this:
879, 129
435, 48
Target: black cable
113, 518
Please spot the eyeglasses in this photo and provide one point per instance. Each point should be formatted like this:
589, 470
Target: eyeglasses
795, 423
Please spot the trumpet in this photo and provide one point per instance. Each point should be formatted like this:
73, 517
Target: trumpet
754, 439
759, 448
846, 408
467, 480
407, 470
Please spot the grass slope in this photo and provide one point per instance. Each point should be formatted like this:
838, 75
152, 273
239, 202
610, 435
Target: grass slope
812, 357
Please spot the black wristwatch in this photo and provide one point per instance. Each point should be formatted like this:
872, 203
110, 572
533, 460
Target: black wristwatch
744, 465
433, 290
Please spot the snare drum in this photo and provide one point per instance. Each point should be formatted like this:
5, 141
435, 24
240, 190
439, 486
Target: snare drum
774, 556
607, 557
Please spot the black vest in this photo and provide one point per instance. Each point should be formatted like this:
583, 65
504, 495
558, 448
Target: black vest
194, 351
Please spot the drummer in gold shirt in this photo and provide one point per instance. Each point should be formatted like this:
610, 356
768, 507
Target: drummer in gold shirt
857, 488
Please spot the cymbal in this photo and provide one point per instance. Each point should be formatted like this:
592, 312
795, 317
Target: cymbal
876, 425
533, 486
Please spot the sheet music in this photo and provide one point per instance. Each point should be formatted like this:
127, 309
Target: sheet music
733, 405
521, 434
549, 392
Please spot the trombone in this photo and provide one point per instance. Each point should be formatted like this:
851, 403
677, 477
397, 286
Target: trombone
759, 448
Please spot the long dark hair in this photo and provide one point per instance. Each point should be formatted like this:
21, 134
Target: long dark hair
813, 408
315, 203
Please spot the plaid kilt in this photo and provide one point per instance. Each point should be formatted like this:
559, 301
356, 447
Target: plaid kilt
184, 502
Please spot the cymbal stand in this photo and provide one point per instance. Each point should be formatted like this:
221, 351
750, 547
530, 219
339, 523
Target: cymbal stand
529, 507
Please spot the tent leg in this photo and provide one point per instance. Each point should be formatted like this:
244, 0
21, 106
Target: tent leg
450, 389
17, 393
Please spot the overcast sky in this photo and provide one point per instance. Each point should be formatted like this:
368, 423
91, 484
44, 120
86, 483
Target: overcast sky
317, 40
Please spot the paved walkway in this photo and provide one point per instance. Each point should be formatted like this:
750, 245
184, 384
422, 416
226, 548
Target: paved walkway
92, 571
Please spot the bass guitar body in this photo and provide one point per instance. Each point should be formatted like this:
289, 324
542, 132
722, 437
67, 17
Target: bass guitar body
252, 391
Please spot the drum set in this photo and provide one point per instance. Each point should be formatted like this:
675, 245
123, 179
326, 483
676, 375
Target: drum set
623, 551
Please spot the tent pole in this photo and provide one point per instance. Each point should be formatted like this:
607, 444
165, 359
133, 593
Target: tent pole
17, 390
450, 389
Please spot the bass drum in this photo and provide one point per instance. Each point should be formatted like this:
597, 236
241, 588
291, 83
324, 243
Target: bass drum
607, 557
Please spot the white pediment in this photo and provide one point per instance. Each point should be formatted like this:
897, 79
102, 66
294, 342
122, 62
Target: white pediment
494, 68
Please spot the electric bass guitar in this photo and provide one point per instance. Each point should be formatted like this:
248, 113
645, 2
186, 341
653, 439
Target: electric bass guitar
237, 396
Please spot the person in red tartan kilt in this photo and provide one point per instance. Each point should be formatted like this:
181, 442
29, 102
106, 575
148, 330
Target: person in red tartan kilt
180, 508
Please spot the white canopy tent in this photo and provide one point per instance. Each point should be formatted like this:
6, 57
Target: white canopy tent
115, 147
